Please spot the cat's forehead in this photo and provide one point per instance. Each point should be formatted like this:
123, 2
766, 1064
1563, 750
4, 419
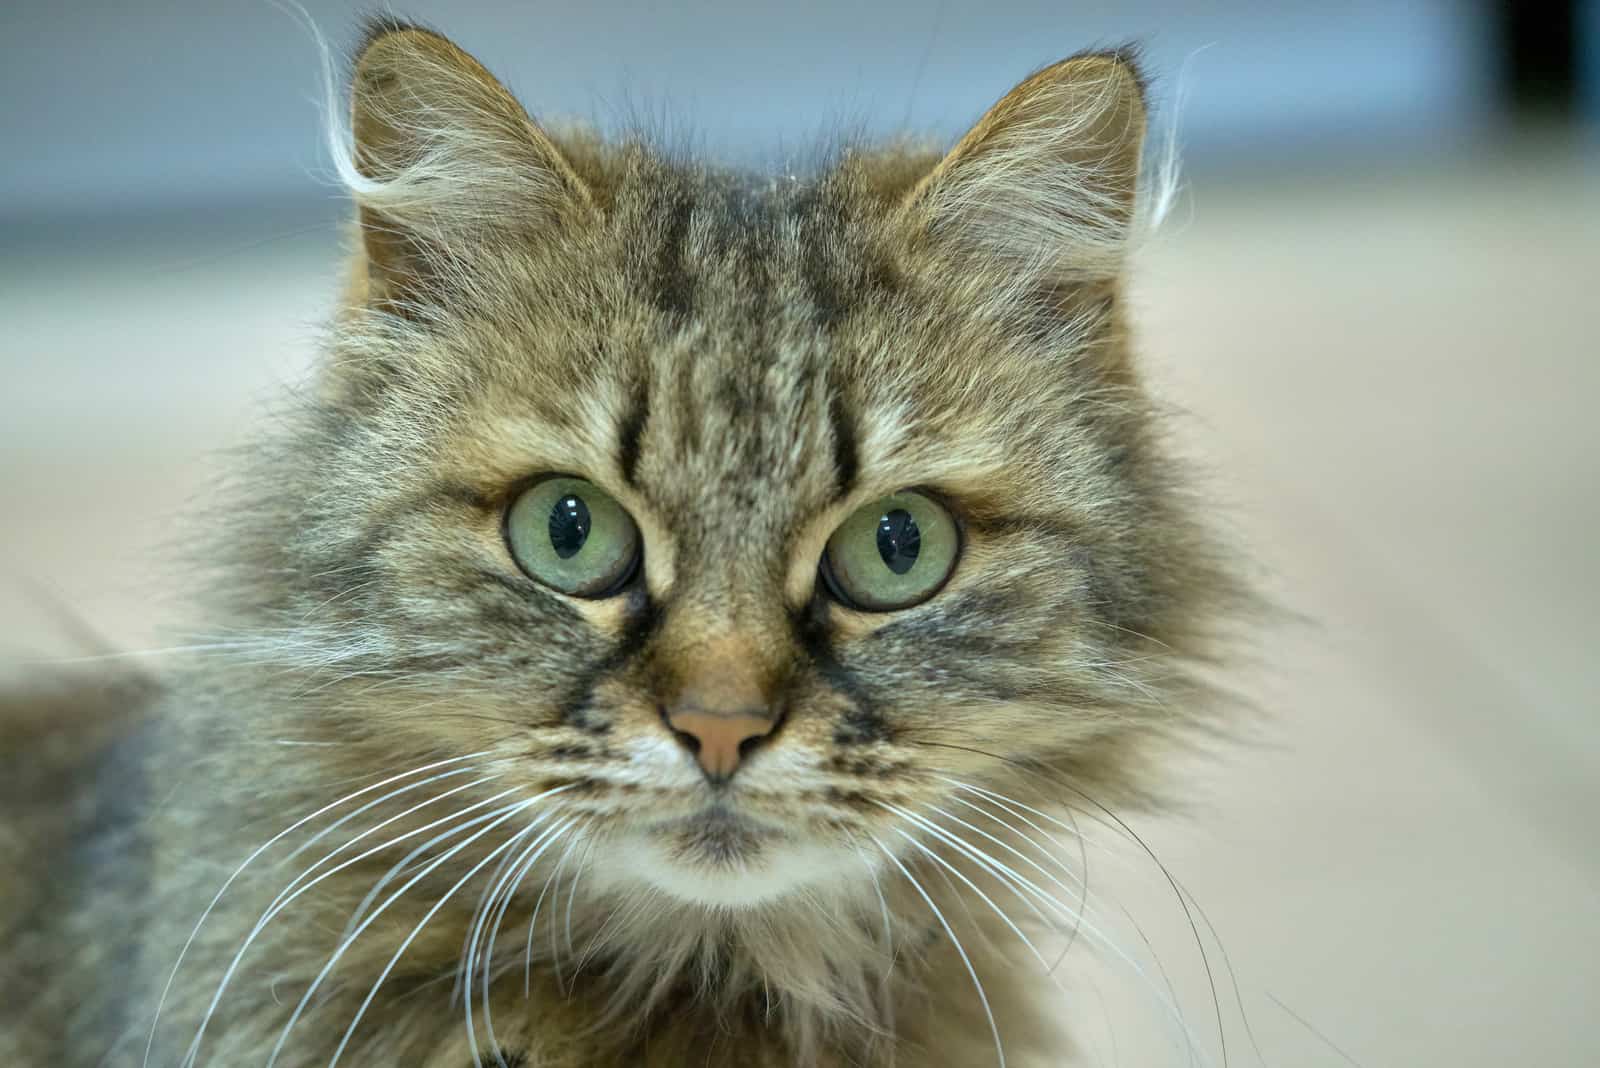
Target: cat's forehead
735, 399
743, 252
693, 357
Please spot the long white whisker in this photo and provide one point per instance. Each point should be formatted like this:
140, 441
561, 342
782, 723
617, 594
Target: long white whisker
342, 820
1044, 850
509, 812
987, 900
983, 998
527, 967
1079, 917
415, 931
1080, 880
480, 911
968, 850
275, 839
555, 947
400, 867
501, 879
287, 896
1075, 890
1004, 801
525, 863
1083, 913
572, 894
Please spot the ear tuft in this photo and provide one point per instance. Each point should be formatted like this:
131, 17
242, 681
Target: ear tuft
1049, 177
442, 158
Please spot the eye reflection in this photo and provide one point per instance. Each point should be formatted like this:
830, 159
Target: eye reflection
899, 540
569, 526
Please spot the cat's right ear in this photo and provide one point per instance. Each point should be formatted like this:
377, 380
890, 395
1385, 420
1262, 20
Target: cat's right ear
1046, 183
443, 163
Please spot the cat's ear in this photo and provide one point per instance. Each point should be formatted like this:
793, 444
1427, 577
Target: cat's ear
442, 161
1048, 178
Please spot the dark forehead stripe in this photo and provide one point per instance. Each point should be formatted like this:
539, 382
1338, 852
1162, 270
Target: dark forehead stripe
846, 456
825, 278
669, 283
631, 432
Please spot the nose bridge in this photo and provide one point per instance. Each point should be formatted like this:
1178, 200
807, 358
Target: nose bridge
720, 675
722, 653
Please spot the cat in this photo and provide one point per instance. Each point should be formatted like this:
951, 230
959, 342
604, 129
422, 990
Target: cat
671, 629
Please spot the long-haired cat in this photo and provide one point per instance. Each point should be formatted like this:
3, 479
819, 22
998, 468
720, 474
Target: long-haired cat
669, 631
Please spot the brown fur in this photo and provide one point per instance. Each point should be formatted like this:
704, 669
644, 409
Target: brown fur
742, 362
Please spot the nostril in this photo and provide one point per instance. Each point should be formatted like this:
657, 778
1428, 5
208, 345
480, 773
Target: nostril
687, 740
756, 741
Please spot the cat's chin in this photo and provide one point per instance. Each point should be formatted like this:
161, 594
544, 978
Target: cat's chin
720, 861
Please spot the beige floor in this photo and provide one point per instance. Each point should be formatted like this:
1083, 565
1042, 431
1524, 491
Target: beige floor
1394, 378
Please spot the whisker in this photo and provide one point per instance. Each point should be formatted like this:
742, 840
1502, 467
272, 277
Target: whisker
275, 839
1022, 882
1117, 823
527, 971
505, 814
572, 892
555, 948
491, 887
883, 906
995, 868
1083, 857
521, 866
342, 820
404, 865
415, 931
1205, 959
1075, 890
1303, 1022
983, 998
1233, 977
987, 900
287, 896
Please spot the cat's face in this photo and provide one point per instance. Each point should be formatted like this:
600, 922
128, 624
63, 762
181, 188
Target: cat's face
758, 516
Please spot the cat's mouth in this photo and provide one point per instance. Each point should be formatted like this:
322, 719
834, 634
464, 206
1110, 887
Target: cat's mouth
719, 856
719, 837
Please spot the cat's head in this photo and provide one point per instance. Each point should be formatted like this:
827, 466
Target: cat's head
757, 514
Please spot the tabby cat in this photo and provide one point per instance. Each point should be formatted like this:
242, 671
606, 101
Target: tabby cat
671, 629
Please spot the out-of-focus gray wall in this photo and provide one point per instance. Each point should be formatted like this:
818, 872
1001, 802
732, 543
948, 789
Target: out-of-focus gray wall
116, 106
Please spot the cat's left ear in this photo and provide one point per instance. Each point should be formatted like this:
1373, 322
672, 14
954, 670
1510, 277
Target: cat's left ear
1048, 179
445, 162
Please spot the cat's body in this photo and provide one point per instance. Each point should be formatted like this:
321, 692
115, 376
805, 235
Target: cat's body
741, 366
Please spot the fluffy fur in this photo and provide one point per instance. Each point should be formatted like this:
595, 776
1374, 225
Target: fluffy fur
495, 852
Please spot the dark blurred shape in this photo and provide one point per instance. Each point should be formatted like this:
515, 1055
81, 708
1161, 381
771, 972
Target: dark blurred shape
1539, 46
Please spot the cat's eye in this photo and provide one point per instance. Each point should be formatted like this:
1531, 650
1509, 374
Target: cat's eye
894, 553
572, 536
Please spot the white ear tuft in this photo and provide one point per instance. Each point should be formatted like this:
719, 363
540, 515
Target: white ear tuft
1048, 179
440, 157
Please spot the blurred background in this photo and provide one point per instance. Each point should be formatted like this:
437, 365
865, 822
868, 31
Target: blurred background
1372, 307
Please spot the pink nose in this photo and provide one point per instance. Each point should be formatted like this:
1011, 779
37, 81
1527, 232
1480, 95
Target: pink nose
718, 741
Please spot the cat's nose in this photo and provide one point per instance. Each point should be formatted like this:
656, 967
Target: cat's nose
721, 703
719, 741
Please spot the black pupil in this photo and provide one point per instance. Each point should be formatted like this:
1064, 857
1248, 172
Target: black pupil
899, 540
569, 526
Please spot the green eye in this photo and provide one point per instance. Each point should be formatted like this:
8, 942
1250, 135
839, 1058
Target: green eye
894, 553
570, 535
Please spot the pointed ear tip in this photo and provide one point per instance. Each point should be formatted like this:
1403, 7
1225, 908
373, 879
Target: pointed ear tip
386, 40
1120, 69
383, 31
